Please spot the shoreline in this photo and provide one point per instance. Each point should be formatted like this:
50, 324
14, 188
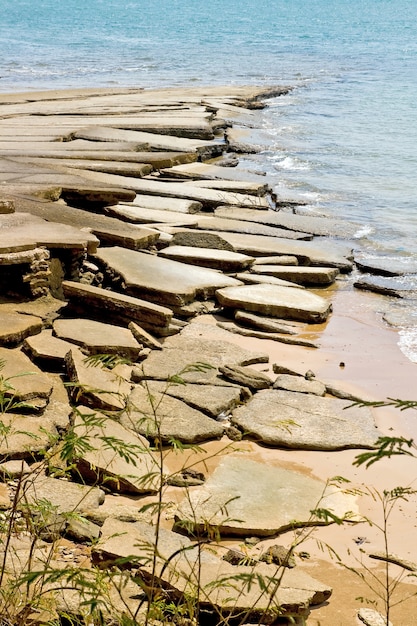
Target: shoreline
352, 335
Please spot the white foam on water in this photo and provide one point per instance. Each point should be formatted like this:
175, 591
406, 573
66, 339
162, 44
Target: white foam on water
291, 163
364, 231
408, 343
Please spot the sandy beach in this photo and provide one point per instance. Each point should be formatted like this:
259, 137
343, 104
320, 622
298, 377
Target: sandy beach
357, 351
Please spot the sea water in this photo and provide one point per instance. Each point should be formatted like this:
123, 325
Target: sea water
344, 140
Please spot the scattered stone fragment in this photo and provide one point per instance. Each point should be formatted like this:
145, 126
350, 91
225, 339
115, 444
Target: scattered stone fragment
283, 499
383, 285
396, 560
280, 555
284, 338
305, 422
186, 478
285, 302
299, 385
143, 337
81, 530
370, 617
6, 206
267, 324
13, 469
386, 267
237, 557
281, 368
246, 376
98, 338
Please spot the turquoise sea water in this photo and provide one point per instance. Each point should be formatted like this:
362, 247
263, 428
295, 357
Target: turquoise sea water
345, 139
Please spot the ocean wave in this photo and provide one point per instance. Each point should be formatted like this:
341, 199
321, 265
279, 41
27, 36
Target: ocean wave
408, 343
291, 163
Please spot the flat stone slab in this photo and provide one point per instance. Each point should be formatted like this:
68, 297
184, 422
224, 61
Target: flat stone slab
15, 327
96, 386
139, 215
282, 499
307, 252
276, 260
384, 285
98, 338
308, 276
185, 350
258, 279
207, 257
213, 400
119, 459
177, 565
299, 385
117, 306
305, 422
65, 497
248, 228
29, 383
386, 267
320, 226
266, 324
163, 203
196, 171
47, 349
143, 337
276, 301
26, 436
237, 329
162, 280
20, 231
167, 417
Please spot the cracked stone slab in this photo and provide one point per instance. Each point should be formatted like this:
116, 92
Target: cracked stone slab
308, 276
282, 499
15, 327
29, 383
47, 349
223, 260
26, 436
299, 384
65, 497
305, 422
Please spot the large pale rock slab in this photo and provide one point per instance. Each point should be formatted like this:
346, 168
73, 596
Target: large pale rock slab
257, 279
237, 329
15, 327
180, 567
299, 384
306, 422
157, 415
96, 386
267, 324
119, 459
308, 276
162, 280
246, 376
207, 257
276, 301
162, 203
183, 355
46, 349
25, 436
98, 338
248, 228
139, 215
281, 500
202, 171
117, 306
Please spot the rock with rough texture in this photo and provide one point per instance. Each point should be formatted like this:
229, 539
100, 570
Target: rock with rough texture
143, 337
161, 280
98, 338
207, 257
157, 415
194, 358
275, 301
119, 459
46, 349
28, 383
96, 386
308, 276
64, 496
26, 436
370, 617
384, 285
305, 422
386, 267
259, 334
256, 279
266, 324
299, 385
176, 566
117, 306
246, 376
282, 499
15, 327
248, 228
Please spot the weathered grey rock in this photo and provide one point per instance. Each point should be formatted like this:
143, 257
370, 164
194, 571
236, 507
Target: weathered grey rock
276, 301
98, 338
183, 355
276, 260
200, 239
280, 555
143, 337
209, 171
119, 459
306, 422
299, 385
213, 400
156, 415
281, 368
186, 478
163, 203
307, 252
248, 228
6, 206
139, 215
14, 469
239, 141
266, 324
207, 257
81, 530
117, 307
28, 383
162, 280
386, 267
283, 499
26, 436
282, 338
234, 186
308, 276
65, 497
383, 285
263, 279
46, 349
15, 327
176, 567
194, 127
246, 376
322, 226
96, 386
